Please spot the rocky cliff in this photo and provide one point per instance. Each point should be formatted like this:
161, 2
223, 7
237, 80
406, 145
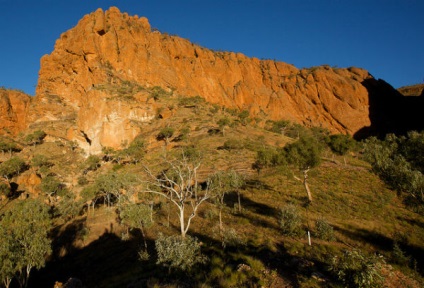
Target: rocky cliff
13, 111
110, 48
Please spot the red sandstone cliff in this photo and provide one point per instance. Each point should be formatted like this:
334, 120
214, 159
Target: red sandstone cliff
13, 111
108, 45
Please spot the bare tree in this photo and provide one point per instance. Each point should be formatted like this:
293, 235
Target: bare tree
179, 184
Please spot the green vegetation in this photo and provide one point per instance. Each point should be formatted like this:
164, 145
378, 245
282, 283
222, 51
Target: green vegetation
12, 167
24, 241
399, 161
35, 138
355, 269
179, 253
222, 204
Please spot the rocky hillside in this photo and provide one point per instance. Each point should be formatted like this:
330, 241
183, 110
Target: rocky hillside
95, 87
413, 90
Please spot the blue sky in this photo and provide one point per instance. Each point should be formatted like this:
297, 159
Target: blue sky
383, 36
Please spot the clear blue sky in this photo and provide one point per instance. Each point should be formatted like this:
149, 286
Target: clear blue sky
382, 36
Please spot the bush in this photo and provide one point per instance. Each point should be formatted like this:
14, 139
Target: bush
324, 230
36, 137
179, 253
396, 160
290, 221
340, 144
165, 133
12, 167
355, 269
40, 161
82, 181
52, 186
233, 144
398, 256
5, 189
92, 163
304, 153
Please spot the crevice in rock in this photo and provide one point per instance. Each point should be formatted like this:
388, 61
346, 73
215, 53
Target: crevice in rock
86, 137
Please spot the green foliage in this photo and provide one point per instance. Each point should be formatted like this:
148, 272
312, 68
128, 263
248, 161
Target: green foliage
355, 269
399, 162
165, 133
5, 189
179, 253
340, 144
286, 128
110, 186
82, 180
36, 137
264, 158
8, 147
50, 185
135, 215
244, 116
323, 230
92, 163
290, 221
135, 151
40, 161
191, 153
224, 122
191, 101
278, 127
233, 144
398, 256
304, 153
12, 167
24, 240
158, 93
68, 207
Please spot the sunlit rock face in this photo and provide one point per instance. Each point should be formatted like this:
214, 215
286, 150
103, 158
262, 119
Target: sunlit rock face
110, 47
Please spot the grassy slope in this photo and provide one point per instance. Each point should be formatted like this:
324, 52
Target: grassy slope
364, 213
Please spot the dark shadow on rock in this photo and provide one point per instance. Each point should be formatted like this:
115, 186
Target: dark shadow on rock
390, 111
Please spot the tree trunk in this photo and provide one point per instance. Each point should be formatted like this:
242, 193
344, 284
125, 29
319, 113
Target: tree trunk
305, 183
182, 226
144, 237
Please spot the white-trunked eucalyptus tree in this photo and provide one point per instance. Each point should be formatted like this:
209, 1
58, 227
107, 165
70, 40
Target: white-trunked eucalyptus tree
179, 184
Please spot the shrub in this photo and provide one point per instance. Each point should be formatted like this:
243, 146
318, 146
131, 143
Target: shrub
324, 230
165, 134
92, 163
397, 163
233, 144
304, 153
355, 269
340, 144
179, 253
40, 161
5, 189
82, 181
290, 221
12, 167
244, 116
36, 137
398, 256
51, 186
191, 101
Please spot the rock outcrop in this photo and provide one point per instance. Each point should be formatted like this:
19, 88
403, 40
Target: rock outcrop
13, 111
111, 45
108, 48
